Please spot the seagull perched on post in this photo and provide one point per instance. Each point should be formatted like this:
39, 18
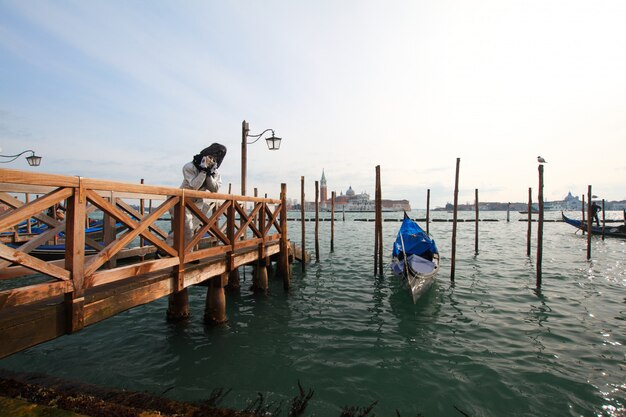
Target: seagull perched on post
541, 160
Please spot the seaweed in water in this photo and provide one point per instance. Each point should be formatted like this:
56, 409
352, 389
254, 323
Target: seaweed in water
362, 412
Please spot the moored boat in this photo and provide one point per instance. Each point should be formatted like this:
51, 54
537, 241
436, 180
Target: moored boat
613, 231
415, 256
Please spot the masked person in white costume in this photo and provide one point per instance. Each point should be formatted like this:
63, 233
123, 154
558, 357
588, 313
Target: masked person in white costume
200, 174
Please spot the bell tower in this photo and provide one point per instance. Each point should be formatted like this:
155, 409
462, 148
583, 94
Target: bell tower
323, 189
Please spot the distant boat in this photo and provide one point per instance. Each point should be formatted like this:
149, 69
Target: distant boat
613, 231
415, 256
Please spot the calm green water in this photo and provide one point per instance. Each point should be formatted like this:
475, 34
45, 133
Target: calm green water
489, 345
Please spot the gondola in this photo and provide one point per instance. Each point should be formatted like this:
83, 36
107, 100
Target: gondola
415, 256
612, 231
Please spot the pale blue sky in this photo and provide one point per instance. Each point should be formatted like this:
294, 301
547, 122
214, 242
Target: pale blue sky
125, 90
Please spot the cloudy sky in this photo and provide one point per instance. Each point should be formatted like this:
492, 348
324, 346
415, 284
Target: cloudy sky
125, 90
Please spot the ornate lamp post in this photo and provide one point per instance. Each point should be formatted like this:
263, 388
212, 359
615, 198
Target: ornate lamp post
33, 160
273, 144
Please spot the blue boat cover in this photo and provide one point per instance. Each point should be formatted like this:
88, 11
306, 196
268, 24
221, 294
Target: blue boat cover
416, 241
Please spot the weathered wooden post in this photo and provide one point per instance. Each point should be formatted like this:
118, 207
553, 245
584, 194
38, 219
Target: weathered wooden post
259, 272
540, 227
380, 223
582, 209
476, 228
343, 218
108, 230
428, 211
285, 269
28, 226
454, 219
589, 221
332, 222
75, 260
529, 231
317, 221
142, 210
376, 220
302, 222
178, 308
234, 279
603, 219
215, 304
508, 211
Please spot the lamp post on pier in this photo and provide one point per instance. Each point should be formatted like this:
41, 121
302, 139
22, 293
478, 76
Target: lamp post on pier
33, 160
273, 144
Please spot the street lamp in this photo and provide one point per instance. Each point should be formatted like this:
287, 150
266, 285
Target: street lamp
33, 160
273, 144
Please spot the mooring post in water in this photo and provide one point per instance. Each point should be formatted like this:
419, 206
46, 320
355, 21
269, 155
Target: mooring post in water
477, 220
589, 221
332, 221
317, 221
508, 211
603, 219
380, 224
285, 269
377, 216
215, 303
454, 219
530, 211
582, 214
428, 211
376, 225
540, 227
259, 276
303, 227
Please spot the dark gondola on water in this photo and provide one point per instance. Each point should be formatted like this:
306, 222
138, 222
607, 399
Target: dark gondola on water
415, 256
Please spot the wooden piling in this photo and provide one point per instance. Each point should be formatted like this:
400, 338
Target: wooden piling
285, 269
259, 277
142, 210
215, 304
508, 212
476, 228
303, 227
317, 221
589, 221
603, 219
234, 279
540, 227
332, 222
178, 305
530, 228
428, 211
454, 219
582, 209
378, 235
380, 224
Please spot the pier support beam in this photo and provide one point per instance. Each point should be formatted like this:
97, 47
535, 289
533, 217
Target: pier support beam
259, 277
233, 281
178, 308
215, 306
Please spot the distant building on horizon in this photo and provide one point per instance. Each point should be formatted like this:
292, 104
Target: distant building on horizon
351, 201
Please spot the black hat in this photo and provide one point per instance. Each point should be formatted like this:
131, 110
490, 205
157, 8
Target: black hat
216, 151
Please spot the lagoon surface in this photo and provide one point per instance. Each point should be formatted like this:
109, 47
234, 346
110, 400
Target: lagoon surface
488, 345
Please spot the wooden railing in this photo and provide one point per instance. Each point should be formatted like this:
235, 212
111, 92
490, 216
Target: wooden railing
235, 223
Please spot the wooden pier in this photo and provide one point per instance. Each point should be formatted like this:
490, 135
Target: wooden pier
44, 299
